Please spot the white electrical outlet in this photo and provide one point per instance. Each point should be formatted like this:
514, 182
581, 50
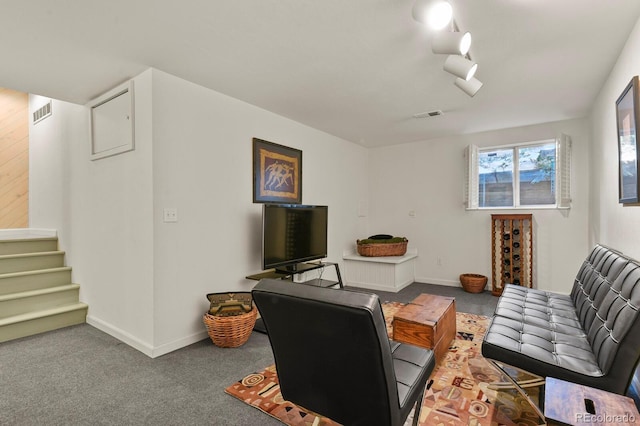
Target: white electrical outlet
170, 214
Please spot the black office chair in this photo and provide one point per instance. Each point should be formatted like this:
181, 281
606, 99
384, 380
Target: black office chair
333, 355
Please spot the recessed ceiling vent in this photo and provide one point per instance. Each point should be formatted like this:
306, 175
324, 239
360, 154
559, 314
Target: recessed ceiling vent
428, 114
42, 113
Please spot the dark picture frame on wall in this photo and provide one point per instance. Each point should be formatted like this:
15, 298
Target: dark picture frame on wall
628, 119
277, 173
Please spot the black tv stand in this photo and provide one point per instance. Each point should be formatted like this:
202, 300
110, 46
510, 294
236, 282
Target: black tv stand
297, 268
288, 275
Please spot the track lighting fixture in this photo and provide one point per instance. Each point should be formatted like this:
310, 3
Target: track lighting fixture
470, 87
435, 13
460, 67
451, 43
438, 14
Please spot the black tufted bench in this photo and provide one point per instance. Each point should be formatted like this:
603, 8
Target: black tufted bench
590, 337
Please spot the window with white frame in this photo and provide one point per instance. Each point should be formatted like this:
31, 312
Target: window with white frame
527, 175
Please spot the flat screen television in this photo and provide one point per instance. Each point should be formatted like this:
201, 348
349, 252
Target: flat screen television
293, 234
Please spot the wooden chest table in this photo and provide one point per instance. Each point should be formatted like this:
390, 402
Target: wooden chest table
429, 321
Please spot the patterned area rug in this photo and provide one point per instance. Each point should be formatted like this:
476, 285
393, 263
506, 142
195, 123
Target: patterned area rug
458, 393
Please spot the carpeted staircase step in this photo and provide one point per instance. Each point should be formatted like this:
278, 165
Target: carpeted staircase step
28, 245
30, 261
37, 300
17, 282
45, 320
36, 292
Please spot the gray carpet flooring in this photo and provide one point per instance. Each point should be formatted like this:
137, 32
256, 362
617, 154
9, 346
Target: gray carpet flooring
81, 376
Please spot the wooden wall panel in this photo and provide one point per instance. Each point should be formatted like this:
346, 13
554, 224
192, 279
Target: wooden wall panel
14, 159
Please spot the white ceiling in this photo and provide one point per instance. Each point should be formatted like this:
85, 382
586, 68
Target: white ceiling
357, 69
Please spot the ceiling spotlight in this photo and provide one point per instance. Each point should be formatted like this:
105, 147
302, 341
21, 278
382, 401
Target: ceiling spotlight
460, 67
451, 43
470, 87
435, 13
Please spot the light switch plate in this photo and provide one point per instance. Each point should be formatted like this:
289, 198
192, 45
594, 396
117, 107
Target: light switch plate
171, 214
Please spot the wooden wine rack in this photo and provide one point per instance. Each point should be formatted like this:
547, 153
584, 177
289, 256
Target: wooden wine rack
511, 251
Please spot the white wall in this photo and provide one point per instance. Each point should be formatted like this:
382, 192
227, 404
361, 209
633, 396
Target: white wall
428, 178
611, 223
145, 280
202, 165
102, 212
112, 230
49, 164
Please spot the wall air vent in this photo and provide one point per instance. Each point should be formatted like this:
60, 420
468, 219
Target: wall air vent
42, 113
428, 114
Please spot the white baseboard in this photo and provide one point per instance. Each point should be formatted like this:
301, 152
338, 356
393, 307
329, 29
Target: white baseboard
179, 344
121, 335
145, 348
439, 281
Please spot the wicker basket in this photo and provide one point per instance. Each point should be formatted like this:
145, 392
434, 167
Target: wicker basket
473, 283
230, 331
382, 249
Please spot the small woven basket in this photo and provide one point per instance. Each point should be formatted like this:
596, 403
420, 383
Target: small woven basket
473, 283
382, 249
230, 331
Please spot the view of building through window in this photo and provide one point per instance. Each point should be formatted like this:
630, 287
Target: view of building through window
518, 176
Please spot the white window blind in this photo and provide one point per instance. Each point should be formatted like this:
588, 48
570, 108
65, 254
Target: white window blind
471, 178
563, 171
